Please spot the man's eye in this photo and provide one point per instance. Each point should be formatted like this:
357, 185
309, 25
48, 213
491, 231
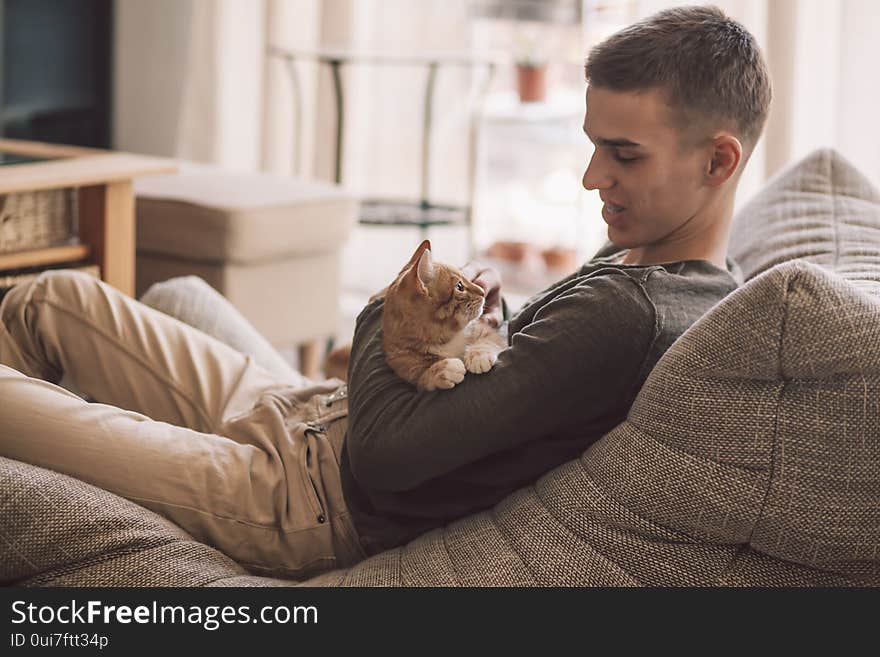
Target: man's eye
460, 286
624, 160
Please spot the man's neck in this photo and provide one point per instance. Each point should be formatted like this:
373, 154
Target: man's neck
710, 243
717, 254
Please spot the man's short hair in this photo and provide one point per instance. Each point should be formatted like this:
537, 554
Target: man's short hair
708, 65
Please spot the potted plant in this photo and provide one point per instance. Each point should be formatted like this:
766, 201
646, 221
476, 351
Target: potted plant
531, 71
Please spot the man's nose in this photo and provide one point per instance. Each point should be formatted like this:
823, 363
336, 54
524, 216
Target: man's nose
595, 177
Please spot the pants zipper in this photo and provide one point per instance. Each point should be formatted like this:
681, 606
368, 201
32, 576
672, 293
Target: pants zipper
314, 498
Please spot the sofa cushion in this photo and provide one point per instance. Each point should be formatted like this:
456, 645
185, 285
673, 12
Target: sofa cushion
821, 209
215, 215
60, 531
751, 457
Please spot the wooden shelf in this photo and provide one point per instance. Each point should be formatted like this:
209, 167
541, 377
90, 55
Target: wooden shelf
105, 204
39, 149
42, 257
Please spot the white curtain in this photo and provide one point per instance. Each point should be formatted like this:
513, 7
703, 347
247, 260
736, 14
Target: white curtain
833, 89
220, 121
149, 82
188, 79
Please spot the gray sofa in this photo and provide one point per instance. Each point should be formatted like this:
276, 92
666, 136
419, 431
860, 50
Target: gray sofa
750, 457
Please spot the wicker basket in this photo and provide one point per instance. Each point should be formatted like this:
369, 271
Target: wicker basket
35, 220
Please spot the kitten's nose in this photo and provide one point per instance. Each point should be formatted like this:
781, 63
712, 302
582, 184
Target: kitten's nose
482, 285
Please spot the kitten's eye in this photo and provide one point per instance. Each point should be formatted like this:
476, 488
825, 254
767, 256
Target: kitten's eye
459, 286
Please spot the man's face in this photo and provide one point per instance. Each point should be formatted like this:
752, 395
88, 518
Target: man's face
651, 182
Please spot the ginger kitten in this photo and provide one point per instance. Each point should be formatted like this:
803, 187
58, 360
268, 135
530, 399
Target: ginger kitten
431, 335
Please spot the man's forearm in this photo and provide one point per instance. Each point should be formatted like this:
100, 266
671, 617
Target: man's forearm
400, 437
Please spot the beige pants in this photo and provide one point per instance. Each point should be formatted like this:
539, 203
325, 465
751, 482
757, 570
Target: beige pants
186, 426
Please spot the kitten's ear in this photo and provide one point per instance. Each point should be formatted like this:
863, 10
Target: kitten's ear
424, 246
425, 270
420, 268
419, 273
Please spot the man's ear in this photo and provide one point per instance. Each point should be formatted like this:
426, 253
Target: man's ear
726, 155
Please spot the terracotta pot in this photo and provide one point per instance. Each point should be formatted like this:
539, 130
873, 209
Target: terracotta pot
531, 82
510, 251
560, 258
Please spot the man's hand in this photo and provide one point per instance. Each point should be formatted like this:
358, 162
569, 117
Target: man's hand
489, 279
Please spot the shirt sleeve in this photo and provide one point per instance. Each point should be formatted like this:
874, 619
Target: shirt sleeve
575, 358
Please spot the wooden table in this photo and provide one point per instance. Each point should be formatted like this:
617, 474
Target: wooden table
105, 204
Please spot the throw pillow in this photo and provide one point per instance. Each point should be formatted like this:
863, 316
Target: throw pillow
821, 209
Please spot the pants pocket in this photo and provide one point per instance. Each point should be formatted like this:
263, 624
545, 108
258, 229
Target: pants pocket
311, 476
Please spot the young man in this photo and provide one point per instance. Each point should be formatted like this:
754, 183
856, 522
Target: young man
674, 107
295, 480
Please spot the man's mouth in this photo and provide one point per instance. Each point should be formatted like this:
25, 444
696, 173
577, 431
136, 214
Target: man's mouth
614, 209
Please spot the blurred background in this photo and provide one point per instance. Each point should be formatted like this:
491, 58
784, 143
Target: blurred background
472, 107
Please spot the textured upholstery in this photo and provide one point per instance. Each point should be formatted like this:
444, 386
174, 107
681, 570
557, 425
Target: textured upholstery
750, 457
821, 209
60, 531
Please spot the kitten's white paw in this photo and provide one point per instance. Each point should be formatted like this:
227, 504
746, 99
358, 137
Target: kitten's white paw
448, 372
479, 361
443, 374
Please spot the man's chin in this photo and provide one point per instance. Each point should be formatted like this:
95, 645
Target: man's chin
619, 239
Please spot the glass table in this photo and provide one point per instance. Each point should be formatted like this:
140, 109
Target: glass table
422, 212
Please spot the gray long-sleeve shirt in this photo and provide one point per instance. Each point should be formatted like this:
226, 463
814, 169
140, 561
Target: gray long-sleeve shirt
579, 353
